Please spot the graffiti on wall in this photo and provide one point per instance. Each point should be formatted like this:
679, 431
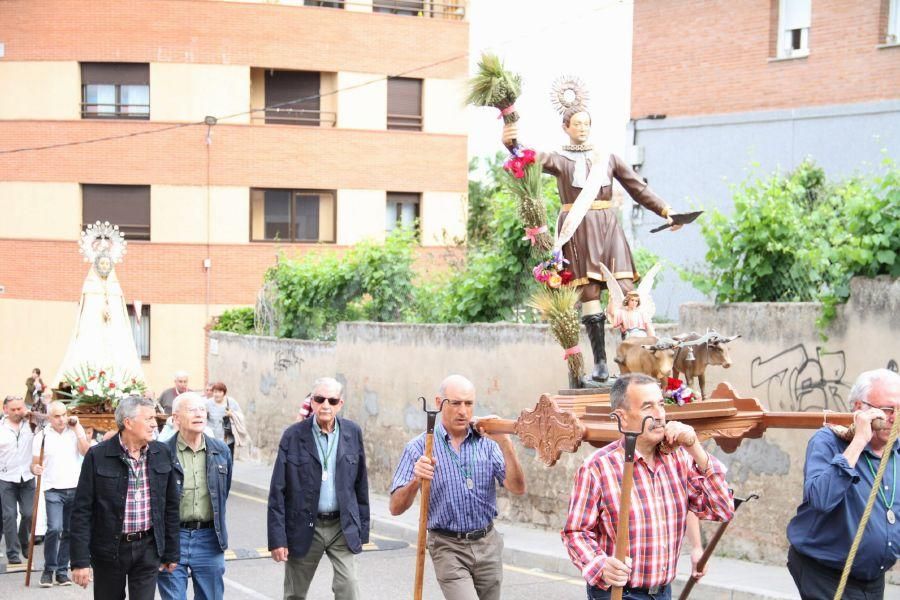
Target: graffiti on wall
287, 358
795, 380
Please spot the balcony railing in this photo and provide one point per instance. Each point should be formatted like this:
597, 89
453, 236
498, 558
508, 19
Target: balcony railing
404, 122
450, 9
95, 110
294, 116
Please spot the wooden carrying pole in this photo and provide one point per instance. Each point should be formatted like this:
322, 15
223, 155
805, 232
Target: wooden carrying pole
424, 502
710, 547
622, 541
34, 514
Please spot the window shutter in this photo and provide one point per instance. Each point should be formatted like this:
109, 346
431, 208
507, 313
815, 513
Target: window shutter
115, 73
797, 14
127, 206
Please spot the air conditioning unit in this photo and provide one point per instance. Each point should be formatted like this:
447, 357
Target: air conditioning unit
634, 155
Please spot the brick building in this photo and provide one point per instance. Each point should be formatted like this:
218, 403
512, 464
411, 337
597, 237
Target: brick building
336, 121
718, 86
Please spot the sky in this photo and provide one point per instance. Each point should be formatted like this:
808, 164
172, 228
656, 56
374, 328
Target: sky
542, 40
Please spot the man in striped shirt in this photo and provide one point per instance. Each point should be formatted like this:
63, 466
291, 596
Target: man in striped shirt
464, 470
666, 487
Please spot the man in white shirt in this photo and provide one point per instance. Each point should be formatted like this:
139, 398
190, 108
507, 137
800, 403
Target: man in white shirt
16, 480
64, 443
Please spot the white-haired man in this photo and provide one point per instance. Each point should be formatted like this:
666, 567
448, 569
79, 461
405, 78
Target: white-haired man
168, 396
837, 481
64, 442
319, 496
203, 465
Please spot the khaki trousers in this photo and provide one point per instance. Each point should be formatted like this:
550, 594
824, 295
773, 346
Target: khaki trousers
468, 570
327, 539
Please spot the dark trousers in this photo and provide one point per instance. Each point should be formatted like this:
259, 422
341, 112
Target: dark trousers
664, 593
136, 567
815, 581
17, 498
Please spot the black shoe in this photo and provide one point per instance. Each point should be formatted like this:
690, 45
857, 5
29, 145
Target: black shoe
38, 540
61, 579
46, 579
14, 560
593, 324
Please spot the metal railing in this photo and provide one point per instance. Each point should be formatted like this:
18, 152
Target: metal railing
103, 110
404, 122
450, 9
294, 116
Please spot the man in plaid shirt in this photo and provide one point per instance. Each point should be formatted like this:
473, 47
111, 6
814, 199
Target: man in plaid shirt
666, 487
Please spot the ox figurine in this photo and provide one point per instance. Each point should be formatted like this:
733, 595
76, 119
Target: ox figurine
648, 355
696, 352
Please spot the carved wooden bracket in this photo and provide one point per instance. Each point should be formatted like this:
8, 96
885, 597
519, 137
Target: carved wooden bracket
549, 430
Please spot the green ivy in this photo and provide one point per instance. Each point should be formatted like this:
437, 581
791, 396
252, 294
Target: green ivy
236, 320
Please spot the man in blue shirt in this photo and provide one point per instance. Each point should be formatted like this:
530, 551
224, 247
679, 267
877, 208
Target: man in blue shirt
464, 470
319, 497
838, 478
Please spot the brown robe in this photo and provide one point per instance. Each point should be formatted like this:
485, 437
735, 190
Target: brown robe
600, 238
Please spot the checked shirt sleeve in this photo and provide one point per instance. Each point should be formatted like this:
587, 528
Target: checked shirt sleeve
581, 534
708, 493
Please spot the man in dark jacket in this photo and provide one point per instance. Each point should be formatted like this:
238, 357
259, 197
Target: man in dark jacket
125, 517
203, 472
319, 497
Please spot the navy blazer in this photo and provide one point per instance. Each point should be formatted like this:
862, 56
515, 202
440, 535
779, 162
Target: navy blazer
98, 511
219, 467
297, 482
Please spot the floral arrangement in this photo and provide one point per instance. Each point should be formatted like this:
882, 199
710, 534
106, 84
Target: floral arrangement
553, 272
678, 393
495, 86
525, 184
557, 306
99, 390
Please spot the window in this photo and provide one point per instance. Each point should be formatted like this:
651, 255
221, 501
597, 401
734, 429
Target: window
294, 98
115, 91
404, 105
325, 3
402, 211
893, 27
127, 206
410, 8
292, 215
140, 330
794, 17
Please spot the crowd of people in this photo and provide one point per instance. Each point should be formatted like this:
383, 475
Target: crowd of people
146, 513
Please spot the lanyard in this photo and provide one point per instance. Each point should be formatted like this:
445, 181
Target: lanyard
331, 444
466, 471
893, 477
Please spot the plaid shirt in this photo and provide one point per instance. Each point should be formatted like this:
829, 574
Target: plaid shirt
137, 500
660, 500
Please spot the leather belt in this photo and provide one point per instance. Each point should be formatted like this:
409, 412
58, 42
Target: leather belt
595, 205
329, 516
465, 535
136, 535
650, 591
192, 525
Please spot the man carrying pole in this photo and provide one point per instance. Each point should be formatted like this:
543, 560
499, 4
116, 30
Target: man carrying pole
464, 546
666, 487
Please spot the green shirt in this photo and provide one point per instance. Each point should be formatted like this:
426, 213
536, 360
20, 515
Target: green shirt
195, 502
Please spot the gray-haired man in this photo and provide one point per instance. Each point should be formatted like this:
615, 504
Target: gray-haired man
125, 518
168, 396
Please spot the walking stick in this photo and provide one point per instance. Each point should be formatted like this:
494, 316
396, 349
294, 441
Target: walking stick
426, 498
34, 514
622, 541
707, 552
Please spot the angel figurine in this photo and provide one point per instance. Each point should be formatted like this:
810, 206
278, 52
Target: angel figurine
632, 312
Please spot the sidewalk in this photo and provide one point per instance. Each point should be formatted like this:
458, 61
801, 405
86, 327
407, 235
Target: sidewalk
528, 548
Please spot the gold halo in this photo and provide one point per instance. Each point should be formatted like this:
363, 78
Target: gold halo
569, 92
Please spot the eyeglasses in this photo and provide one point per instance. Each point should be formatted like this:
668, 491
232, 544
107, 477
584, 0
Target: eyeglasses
194, 410
458, 403
321, 399
887, 411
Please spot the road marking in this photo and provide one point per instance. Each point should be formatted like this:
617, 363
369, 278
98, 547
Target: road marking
244, 589
248, 497
545, 575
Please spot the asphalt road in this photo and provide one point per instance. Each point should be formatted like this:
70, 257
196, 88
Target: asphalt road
386, 569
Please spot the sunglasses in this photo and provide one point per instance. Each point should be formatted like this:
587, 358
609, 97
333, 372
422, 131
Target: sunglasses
321, 399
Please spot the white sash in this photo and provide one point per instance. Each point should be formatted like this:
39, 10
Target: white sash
596, 179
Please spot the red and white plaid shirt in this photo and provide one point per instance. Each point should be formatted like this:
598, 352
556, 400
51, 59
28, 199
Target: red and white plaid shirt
660, 500
137, 500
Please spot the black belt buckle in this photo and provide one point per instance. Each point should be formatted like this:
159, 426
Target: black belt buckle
329, 516
474, 535
194, 525
650, 591
136, 535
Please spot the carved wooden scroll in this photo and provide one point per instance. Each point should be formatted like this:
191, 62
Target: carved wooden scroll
549, 430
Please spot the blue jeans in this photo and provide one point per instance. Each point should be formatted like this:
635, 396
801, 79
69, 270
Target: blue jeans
203, 560
56, 542
595, 593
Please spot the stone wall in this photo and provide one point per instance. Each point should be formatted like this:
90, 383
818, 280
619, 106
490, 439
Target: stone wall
779, 358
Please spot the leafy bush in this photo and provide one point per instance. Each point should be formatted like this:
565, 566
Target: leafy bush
236, 320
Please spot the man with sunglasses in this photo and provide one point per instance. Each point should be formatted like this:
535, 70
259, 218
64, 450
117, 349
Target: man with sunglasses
837, 480
319, 496
465, 469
